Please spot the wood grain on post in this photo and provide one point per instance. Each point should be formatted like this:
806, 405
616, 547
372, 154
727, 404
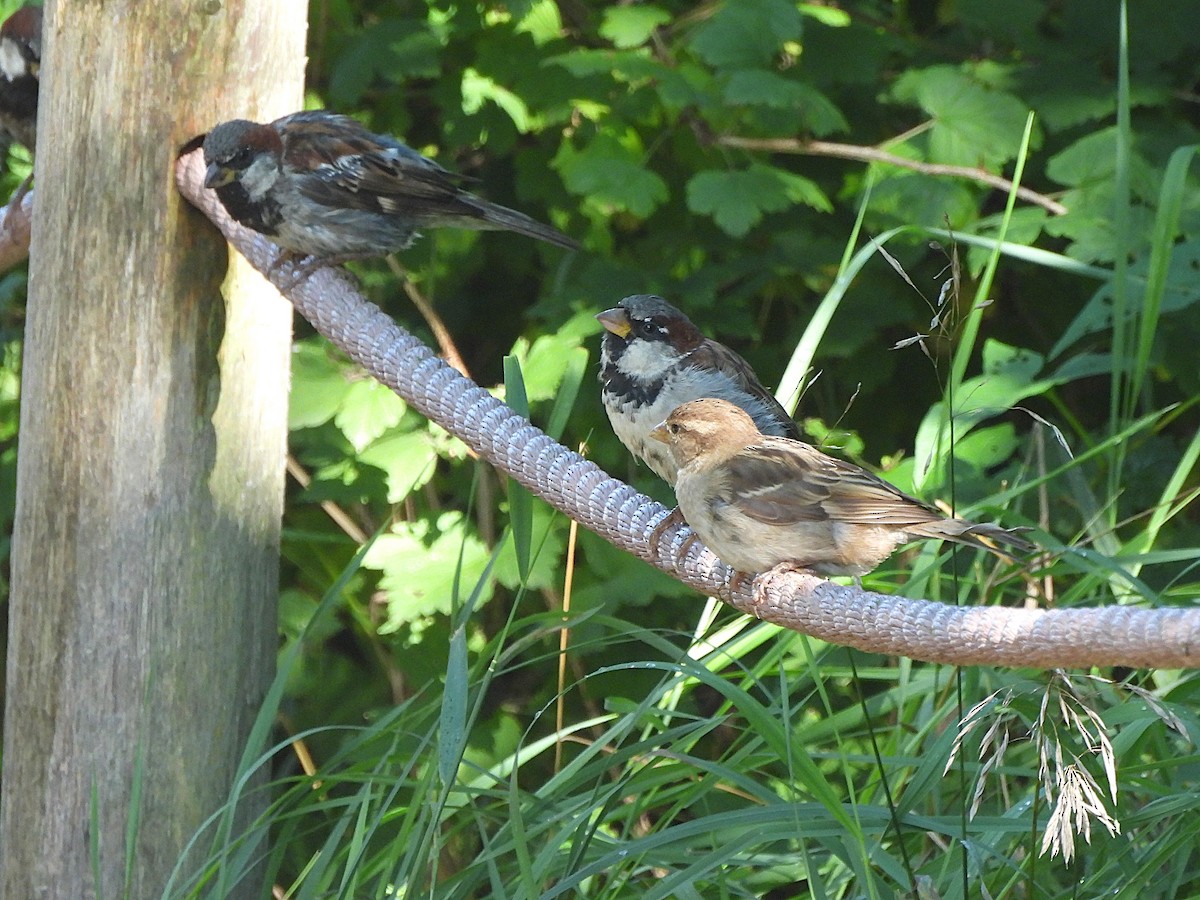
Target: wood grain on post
153, 428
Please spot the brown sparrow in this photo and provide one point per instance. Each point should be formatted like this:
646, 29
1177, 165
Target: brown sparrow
759, 501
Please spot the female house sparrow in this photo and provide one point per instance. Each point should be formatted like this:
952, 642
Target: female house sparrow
321, 185
20, 60
760, 501
653, 358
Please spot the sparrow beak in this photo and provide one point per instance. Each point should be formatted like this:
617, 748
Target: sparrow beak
615, 320
660, 433
216, 176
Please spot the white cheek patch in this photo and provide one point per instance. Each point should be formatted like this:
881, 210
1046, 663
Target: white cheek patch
645, 359
12, 63
260, 176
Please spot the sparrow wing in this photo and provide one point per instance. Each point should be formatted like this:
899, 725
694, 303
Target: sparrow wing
340, 163
719, 357
785, 483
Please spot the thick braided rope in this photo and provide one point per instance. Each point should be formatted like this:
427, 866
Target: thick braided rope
875, 622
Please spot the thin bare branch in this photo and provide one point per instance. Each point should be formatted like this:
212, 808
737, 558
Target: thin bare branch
440, 332
875, 155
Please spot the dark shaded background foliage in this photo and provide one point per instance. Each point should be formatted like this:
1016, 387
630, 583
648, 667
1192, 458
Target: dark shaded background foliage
608, 121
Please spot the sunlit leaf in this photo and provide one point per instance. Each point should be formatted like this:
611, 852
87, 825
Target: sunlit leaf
419, 562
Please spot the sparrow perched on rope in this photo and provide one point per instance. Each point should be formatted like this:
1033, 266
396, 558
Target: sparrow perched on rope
652, 359
759, 501
321, 185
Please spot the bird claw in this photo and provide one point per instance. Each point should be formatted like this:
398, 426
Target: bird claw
671, 520
763, 580
302, 268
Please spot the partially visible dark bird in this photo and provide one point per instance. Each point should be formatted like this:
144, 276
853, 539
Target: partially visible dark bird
759, 501
321, 185
653, 359
20, 62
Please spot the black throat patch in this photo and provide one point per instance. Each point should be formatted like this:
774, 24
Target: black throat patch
263, 216
626, 388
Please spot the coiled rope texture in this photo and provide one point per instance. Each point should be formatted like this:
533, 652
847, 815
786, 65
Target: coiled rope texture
919, 629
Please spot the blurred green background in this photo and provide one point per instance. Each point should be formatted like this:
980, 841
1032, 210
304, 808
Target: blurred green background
732, 157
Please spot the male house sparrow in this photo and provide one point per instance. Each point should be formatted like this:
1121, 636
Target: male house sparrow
321, 185
759, 501
20, 60
653, 358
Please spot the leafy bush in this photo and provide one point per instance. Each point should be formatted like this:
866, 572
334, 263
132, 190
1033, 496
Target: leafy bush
814, 185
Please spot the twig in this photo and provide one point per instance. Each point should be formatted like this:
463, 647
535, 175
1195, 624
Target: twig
874, 154
441, 333
340, 517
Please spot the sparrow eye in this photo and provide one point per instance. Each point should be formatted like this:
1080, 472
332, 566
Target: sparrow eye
241, 158
647, 329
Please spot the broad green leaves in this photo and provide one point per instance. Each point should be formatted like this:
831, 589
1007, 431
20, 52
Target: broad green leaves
972, 125
765, 88
631, 26
611, 173
747, 34
692, 148
738, 200
425, 565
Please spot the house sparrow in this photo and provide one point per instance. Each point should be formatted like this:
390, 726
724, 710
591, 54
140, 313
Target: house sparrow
653, 358
20, 60
320, 185
760, 501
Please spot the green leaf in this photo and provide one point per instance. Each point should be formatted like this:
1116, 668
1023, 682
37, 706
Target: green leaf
737, 200
1091, 160
631, 26
973, 125
1009, 376
1024, 226
544, 364
912, 198
452, 716
747, 33
368, 409
573, 374
1179, 292
612, 174
763, 88
478, 89
826, 15
987, 447
407, 458
393, 49
623, 65
419, 561
685, 85
843, 443
542, 22
547, 544
319, 385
